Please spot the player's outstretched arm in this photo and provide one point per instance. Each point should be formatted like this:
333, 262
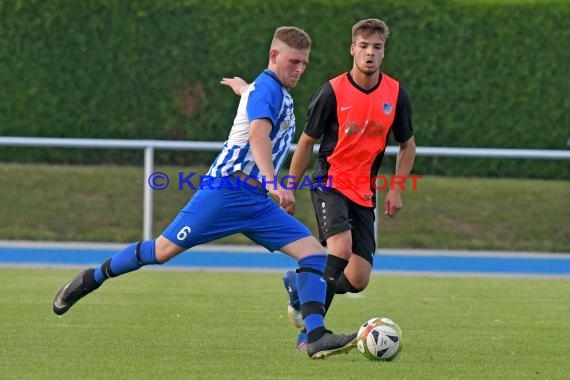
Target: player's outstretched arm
237, 84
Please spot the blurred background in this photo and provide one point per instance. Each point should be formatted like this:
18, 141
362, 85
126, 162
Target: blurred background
484, 74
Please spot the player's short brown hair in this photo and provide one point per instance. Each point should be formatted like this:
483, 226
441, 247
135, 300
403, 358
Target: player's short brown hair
370, 26
293, 37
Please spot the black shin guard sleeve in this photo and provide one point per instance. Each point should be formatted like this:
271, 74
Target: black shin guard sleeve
334, 268
344, 286
316, 334
312, 308
138, 253
106, 269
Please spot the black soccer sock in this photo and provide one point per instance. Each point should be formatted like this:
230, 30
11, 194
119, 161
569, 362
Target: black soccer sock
344, 286
334, 268
316, 334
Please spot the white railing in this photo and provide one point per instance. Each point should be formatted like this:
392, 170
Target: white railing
149, 146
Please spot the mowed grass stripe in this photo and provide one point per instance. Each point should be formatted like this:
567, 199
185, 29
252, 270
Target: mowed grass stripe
205, 325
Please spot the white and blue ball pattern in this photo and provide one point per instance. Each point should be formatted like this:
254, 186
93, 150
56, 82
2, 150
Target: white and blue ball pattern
379, 339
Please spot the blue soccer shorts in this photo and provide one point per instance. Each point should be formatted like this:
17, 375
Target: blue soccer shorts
224, 206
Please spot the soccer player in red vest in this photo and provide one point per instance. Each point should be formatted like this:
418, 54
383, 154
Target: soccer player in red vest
352, 116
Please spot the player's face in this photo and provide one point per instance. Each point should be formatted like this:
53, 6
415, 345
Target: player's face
368, 52
289, 64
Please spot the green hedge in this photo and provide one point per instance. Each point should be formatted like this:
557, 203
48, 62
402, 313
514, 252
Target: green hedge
481, 74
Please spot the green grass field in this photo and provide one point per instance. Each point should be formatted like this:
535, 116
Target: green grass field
220, 325
104, 203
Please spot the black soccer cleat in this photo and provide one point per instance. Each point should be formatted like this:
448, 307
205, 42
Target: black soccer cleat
331, 344
73, 291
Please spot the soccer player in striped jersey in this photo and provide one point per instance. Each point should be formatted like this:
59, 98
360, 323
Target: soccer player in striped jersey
236, 197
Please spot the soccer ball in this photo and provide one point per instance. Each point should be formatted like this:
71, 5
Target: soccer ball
379, 339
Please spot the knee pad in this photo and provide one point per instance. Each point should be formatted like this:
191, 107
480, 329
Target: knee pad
344, 286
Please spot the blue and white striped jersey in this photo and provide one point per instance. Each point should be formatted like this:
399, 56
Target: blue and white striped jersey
265, 98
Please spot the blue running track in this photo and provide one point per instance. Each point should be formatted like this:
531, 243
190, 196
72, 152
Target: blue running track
251, 258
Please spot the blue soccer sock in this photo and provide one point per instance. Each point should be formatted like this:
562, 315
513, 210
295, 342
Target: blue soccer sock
131, 258
312, 293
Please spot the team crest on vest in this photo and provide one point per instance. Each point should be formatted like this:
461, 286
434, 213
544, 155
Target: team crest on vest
387, 108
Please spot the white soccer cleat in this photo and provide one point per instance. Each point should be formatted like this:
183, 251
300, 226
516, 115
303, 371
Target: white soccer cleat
294, 305
295, 316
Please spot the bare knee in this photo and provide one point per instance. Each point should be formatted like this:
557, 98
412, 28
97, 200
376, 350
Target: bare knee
166, 250
357, 273
340, 245
359, 283
303, 247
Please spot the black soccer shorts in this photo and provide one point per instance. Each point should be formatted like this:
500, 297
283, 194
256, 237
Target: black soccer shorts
336, 213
